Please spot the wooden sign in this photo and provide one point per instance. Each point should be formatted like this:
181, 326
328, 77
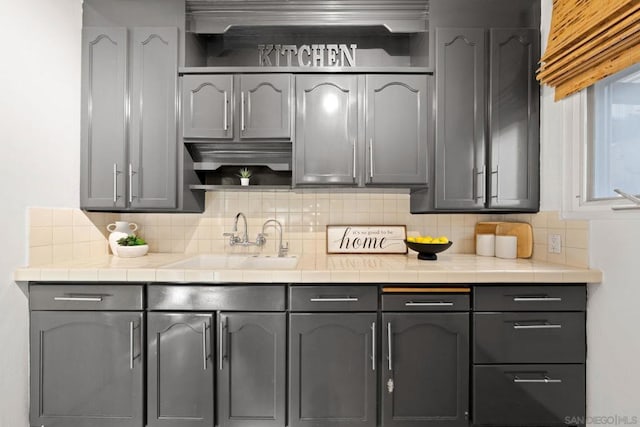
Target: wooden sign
366, 239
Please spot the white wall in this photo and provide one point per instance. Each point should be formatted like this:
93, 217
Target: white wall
39, 155
613, 314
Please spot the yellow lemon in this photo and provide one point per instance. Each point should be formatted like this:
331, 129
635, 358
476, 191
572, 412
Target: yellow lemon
411, 239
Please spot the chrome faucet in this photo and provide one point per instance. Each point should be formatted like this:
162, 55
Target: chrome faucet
245, 236
234, 239
261, 240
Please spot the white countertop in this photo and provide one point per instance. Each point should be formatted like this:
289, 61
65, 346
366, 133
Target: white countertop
454, 268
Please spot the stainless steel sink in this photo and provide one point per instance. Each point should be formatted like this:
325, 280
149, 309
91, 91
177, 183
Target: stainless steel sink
234, 262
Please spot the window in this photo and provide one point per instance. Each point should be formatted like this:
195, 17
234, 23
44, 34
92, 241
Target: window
613, 128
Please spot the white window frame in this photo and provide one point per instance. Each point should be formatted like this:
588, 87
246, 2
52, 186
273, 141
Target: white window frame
575, 140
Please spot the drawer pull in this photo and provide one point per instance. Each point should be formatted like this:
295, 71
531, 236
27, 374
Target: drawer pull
537, 299
336, 299
78, 299
373, 346
428, 304
389, 344
131, 344
542, 326
204, 346
545, 380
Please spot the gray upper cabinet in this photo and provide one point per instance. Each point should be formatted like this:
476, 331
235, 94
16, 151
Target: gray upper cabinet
86, 369
129, 119
326, 149
104, 119
206, 106
514, 98
332, 370
252, 369
425, 370
396, 129
460, 118
153, 148
180, 370
265, 106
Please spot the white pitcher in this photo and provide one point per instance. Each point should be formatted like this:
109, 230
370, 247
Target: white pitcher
118, 230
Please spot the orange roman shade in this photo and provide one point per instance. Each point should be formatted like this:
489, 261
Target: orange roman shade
589, 40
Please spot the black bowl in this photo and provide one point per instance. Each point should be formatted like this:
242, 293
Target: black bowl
428, 251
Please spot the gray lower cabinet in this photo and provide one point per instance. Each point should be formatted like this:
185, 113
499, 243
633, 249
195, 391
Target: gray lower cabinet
487, 119
129, 118
425, 369
396, 129
326, 147
332, 369
180, 369
252, 369
87, 368
206, 106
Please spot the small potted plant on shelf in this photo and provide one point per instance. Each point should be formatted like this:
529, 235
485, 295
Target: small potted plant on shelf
245, 175
131, 247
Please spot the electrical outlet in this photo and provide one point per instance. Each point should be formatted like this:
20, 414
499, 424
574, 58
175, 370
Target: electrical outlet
554, 244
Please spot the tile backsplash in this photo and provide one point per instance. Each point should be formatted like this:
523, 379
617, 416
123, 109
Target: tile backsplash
58, 235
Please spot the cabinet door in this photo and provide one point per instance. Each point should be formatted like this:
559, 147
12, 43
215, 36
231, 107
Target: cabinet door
396, 135
153, 145
251, 382
460, 118
206, 106
326, 129
514, 138
332, 370
104, 121
180, 370
86, 369
425, 369
265, 106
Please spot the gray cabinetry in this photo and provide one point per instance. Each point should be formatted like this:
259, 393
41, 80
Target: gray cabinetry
86, 366
180, 370
104, 119
326, 130
487, 119
252, 366
396, 129
206, 106
460, 118
265, 106
425, 362
129, 114
332, 369
514, 124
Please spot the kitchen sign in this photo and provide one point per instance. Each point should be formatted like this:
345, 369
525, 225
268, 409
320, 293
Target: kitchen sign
366, 239
315, 55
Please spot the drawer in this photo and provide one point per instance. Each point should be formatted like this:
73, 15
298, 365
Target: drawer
528, 395
334, 298
213, 298
425, 302
529, 337
530, 298
86, 297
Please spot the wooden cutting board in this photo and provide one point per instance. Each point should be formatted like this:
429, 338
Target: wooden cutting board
521, 230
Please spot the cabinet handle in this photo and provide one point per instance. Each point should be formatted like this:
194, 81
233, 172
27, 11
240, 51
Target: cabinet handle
389, 344
336, 299
204, 346
428, 304
477, 194
226, 107
115, 182
545, 380
370, 159
220, 344
79, 299
131, 173
537, 299
242, 111
373, 346
131, 358
354, 159
496, 173
539, 326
